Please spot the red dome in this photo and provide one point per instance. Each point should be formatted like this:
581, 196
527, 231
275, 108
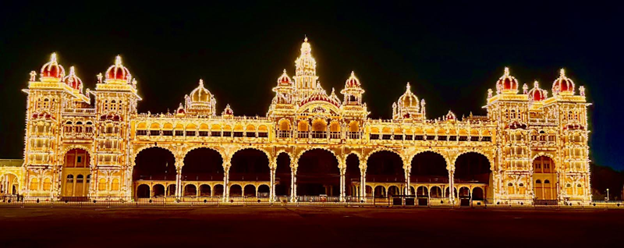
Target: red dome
52, 69
117, 71
352, 81
284, 80
563, 84
537, 94
507, 83
72, 80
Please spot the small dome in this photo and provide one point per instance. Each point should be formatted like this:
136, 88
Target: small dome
536, 94
563, 84
408, 99
200, 94
352, 81
117, 71
227, 111
72, 80
450, 116
180, 110
52, 69
507, 83
284, 80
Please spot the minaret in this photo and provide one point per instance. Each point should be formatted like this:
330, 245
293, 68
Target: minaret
305, 74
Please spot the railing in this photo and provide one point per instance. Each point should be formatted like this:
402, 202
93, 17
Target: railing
283, 134
319, 134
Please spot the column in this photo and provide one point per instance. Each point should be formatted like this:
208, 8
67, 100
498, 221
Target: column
452, 186
272, 186
293, 183
342, 185
226, 181
178, 191
408, 190
362, 180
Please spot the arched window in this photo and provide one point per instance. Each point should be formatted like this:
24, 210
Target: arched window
546, 181
113, 106
70, 178
538, 181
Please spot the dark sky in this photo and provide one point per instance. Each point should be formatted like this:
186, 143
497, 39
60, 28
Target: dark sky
451, 53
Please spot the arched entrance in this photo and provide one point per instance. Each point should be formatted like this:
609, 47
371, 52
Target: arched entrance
385, 167
155, 164
159, 190
263, 191
428, 168
9, 184
203, 165
204, 190
472, 169
282, 176
317, 174
143, 191
545, 180
249, 166
76, 169
352, 177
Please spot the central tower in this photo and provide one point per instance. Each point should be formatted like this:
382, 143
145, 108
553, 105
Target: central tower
305, 74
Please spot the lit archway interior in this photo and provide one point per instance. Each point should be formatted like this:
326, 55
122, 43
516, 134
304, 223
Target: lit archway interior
318, 174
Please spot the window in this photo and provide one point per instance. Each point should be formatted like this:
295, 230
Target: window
538, 181
79, 159
546, 181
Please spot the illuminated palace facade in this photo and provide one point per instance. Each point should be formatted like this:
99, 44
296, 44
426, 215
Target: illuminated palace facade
530, 148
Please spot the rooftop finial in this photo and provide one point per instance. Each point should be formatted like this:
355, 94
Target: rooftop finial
305, 39
536, 84
506, 71
53, 58
118, 61
71, 71
408, 86
201, 83
562, 73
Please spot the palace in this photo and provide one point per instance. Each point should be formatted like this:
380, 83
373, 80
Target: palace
530, 148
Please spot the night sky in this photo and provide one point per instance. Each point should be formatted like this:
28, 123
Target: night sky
450, 53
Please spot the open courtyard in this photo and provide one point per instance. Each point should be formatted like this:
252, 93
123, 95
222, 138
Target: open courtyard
305, 226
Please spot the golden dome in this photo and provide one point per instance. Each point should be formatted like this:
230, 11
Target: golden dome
408, 99
200, 94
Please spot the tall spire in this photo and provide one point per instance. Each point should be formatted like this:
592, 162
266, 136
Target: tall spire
305, 72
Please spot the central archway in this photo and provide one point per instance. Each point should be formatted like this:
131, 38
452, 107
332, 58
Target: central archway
472, 170
153, 164
318, 174
203, 165
249, 165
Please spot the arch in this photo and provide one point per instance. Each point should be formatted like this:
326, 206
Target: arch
155, 126
385, 166
203, 164
429, 166
436, 192
393, 190
250, 164
352, 174
318, 173
236, 190
319, 125
334, 126
473, 167
171, 189
158, 190
380, 192
34, 184
168, 126
422, 191
354, 126
283, 174
204, 190
544, 173
464, 192
303, 126
154, 163
143, 191
218, 190
263, 190
478, 194
249, 190
250, 128
284, 125
190, 190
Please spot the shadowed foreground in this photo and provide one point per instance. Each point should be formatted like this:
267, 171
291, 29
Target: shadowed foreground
306, 227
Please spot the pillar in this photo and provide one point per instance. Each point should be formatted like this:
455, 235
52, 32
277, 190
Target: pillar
407, 190
178, 190
293, 183
451, 186
362, 180
226, 182
272, 186
343, 192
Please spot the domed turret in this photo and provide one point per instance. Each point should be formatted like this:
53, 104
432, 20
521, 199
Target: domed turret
563, 85
227, 112
284, 80
352, 81
507, 83
536, 94
201, 101
408, 99
72, 80
118, 73
52, 70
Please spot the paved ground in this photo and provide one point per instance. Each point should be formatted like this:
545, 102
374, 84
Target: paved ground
307, 227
